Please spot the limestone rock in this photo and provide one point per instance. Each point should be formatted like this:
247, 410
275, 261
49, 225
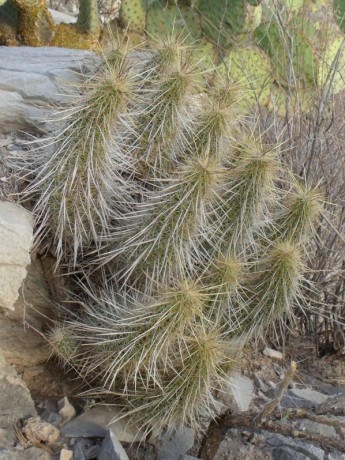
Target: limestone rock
16, 237
31, 79
66, 411
66, 454
237, 393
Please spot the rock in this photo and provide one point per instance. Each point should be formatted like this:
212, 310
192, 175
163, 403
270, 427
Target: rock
188, 457
238, 393
233, 448
313, 396
59, 17
66, 454
16, 237
31, 79
177, 444
85, 449
303, 447
274, 354
20, 338
112, 448
286, 453
319, 385
36, 429
15, 403
336, 455
96, 421
33, 453
316, 428
66, 411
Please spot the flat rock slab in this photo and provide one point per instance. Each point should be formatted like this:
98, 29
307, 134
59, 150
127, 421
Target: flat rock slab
16, 237
33, 78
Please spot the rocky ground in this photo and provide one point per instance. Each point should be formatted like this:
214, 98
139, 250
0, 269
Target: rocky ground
270, 410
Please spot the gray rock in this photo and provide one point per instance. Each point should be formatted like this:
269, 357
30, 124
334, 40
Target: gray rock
176, 444
85, 449
31, 79
309, 394
303, 447
316, 428
96, 421
16, 237
112, 449
59, 17
318, 385
336, 455
286, 453
188, 457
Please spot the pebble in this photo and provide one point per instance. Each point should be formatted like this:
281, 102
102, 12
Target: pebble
274, 354
35, 429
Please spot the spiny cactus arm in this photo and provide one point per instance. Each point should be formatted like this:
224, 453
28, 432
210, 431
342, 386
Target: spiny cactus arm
275, 288
80, 185
300, 215
194, 369
250, 193
162, 240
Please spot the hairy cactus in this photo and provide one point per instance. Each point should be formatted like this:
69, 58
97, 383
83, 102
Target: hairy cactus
180, 204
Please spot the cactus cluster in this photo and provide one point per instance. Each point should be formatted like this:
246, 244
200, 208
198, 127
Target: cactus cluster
190, 236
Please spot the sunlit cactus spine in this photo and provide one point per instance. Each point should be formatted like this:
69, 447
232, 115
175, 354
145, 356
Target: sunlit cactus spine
203, 245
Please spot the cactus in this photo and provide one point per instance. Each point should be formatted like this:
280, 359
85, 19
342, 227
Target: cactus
159, 182
339, 13
251, 67
133, 14
221, 20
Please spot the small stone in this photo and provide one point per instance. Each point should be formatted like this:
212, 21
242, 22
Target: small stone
35, 429
66, 411
66, 454
237, 393
274, 354
112, 448
176, 444
85, 449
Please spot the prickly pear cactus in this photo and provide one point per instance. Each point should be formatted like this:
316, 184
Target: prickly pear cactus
222, 20
133, 14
